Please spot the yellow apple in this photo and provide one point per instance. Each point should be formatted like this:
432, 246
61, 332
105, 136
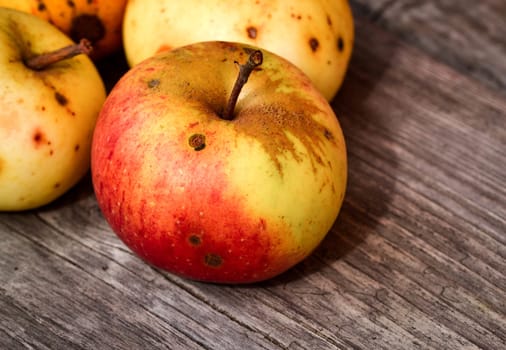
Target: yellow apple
47, 114
315, 35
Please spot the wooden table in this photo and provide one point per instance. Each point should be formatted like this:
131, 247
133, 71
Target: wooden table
416, 259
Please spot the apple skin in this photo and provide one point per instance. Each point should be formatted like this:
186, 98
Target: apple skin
99, 21
315, 35
251, 201
46, 117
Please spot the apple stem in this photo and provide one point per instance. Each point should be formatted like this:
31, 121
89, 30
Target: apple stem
43, 60
255, 59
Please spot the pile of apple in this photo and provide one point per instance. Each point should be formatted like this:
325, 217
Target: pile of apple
216, 157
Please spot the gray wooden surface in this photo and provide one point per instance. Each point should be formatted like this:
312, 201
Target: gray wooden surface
416, 259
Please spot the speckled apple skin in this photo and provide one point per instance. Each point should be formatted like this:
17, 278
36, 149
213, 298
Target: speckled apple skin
234, 201
315, 35
46, 116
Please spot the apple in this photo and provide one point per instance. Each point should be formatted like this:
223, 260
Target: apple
215, 183
315, 35
98, 21
48, 107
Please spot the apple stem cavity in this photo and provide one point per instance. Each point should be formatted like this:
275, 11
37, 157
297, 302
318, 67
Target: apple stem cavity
44, 60
255, 59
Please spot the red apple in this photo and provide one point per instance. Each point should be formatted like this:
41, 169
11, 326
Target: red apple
223, 197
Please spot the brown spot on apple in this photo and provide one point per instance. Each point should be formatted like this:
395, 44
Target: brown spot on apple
56, 185
252, 32
76, 147
152, 83
340, 44
61, 99
195, 240
213, 260
87, 26
329, 21
328, 135
197, 142
41, 7
314, 44
39, 139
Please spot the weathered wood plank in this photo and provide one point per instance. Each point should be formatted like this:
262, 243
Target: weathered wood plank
468, 36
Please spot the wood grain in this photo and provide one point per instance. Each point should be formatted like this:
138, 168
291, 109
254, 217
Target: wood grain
469, 36
416, 259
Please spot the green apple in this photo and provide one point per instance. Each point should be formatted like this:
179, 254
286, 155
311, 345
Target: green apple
315, 35
47, 111
215, 185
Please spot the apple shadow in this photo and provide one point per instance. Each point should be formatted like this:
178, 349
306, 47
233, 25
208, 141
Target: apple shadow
369, 190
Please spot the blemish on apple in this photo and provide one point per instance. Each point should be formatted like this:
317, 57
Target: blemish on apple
213, 260
314, 44
328, 135
195, 240
39, 139
153, 83
197, 142
340, 44
252, 32
61, 99
329, 21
